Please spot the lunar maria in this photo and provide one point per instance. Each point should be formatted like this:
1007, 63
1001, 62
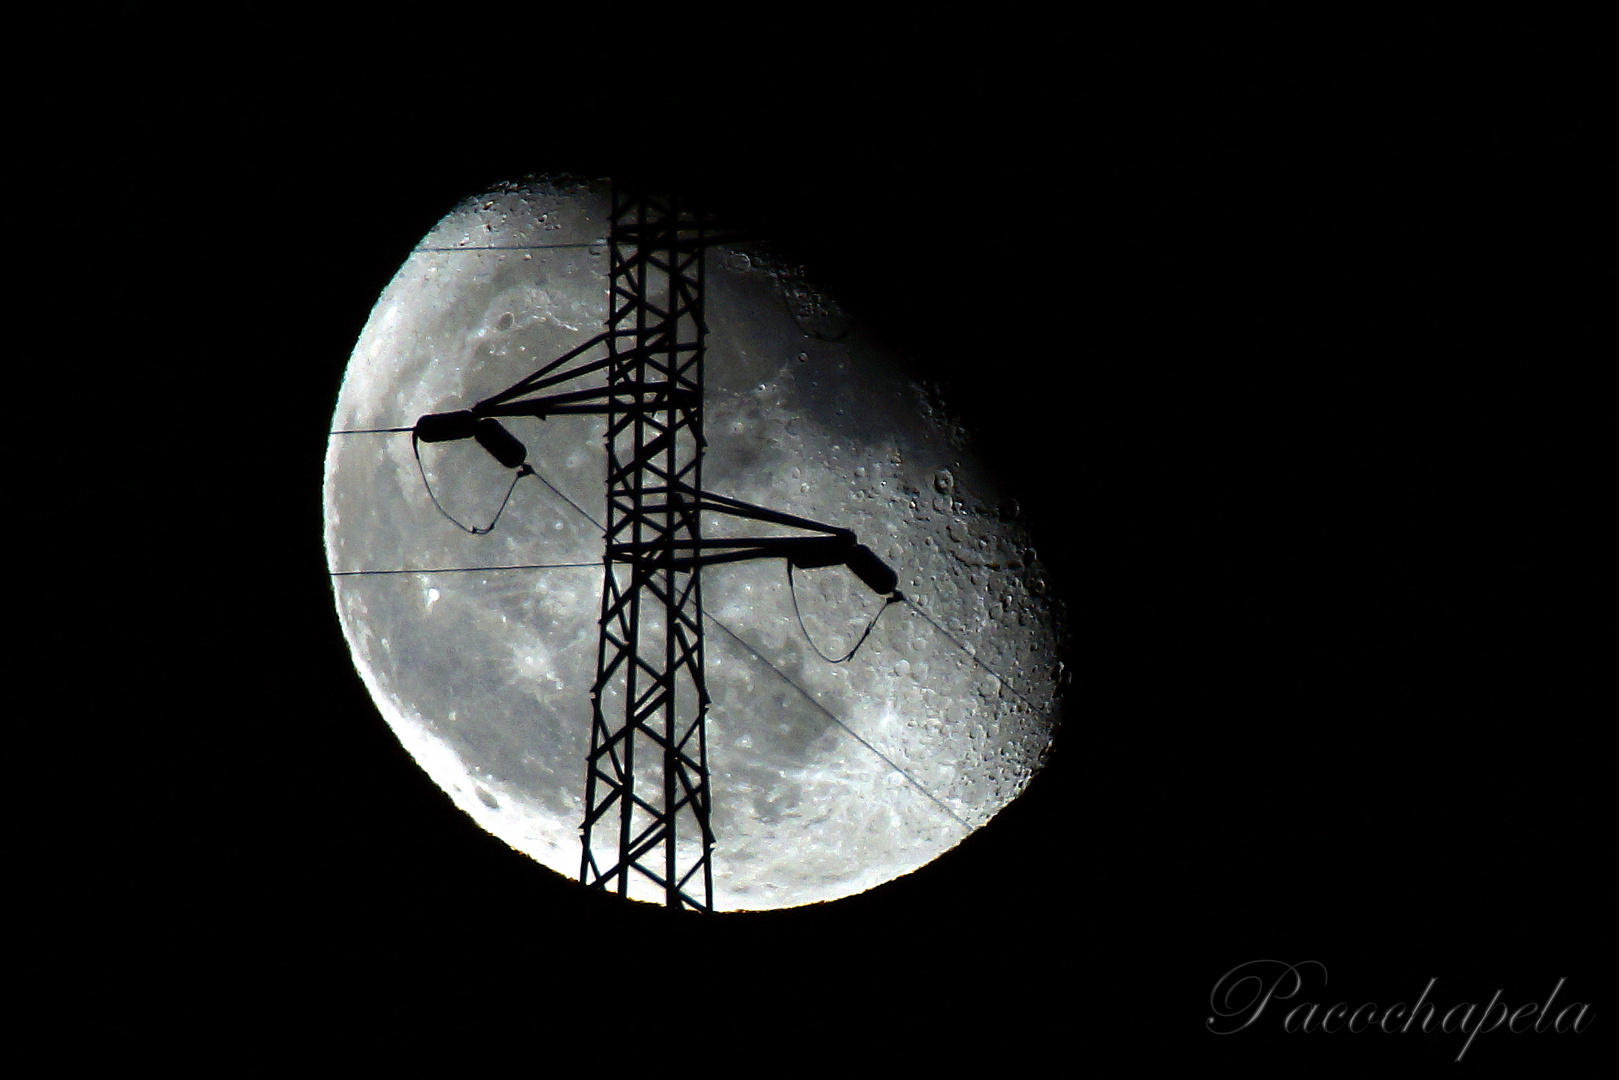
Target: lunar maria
480, 650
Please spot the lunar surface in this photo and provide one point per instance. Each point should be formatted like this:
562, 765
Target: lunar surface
480, 650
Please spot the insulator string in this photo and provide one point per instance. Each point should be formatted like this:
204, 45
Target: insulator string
896, 598
416, 449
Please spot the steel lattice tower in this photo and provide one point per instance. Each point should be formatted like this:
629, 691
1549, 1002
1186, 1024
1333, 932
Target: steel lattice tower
646, 794
646, 782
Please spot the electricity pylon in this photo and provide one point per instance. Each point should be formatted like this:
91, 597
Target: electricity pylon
647, 794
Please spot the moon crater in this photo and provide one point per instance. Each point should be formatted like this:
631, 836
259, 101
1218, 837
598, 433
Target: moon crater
827, 778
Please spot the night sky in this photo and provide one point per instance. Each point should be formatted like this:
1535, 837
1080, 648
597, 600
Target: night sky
1289, 384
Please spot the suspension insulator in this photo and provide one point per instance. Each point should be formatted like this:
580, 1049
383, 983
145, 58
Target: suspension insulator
501, 444
445, 427
865, 565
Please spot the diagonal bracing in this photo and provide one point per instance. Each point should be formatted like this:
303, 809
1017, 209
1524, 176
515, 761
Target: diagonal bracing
646, 790
647, 796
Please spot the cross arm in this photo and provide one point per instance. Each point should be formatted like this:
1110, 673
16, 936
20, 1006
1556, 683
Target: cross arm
804, 552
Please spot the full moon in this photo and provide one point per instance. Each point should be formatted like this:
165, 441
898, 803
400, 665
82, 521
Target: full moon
480, 648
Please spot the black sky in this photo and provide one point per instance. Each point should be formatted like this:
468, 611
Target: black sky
1288, 366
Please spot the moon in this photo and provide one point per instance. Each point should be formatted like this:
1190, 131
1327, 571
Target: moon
479, 650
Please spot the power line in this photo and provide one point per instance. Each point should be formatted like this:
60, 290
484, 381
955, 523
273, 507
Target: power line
910, 603
752, 651
884, 758
582, 511
464, 569
513, 247
950, 638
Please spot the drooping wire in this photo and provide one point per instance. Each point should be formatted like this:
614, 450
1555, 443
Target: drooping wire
752, 651
792, 590
522, 471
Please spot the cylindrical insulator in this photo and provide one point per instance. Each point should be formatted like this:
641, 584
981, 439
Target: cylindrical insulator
866, 566
445, 426
814, 552
502, 444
